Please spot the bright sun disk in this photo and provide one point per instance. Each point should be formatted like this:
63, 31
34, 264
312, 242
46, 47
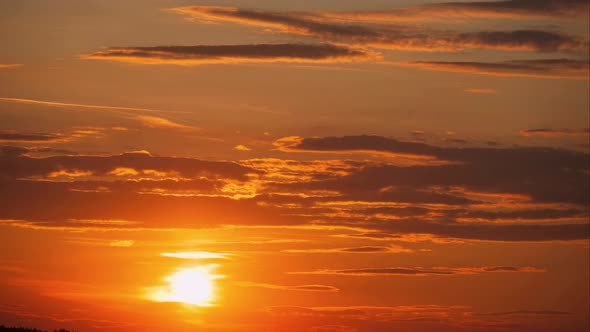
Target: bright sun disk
191, 285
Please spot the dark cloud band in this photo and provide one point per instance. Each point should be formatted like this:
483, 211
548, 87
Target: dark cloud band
208, 54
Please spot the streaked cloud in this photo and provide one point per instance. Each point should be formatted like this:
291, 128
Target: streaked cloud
195, 255
299, 288
224, 54
547, 313
437, 271
470, 197
48, 138
389, 37
13, 136
130, 163
76, 105
537, 68
162, 123
355, 250
10, 65
511, 9
122, 243
481, 91
547, 132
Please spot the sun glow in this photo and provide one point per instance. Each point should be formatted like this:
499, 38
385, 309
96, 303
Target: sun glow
189, 285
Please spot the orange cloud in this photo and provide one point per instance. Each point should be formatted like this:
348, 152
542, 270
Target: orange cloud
60, 104
459, 11
228, 54
543, 68
10, 65
546, 132
480, 91
436, 271
161, 123
355, 250
241, 147
13, 136
389, 36
299, 288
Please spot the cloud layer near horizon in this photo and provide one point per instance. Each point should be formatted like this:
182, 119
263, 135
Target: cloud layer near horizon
470, 193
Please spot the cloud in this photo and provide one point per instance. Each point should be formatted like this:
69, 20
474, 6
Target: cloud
10, 65
354, 250
7, 150
521, 215
122, 243
519, 8
83, 106
389, 37
370, 318
546, 132
299, 288
524, 40
35, 204
540, 174
241, 147
512, 9
481, 231
13, 136
195, 255
480, 91
161, 123
49, 138
212, 54
538, 68
473, 194
20, 166
437, 271
525, 313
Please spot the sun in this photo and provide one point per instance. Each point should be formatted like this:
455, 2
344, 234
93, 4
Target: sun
189, 285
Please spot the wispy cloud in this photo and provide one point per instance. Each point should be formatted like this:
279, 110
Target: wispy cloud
389, 37
10, 65
511, 9
162, 123
298, 288
13, 136
355, 250
227, 54
537, 68
76, 105
437, 271
23, 137
241, 147
481, 91
547, 132
195, 255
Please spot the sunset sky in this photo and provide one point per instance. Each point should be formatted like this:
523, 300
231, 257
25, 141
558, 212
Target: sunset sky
286, 166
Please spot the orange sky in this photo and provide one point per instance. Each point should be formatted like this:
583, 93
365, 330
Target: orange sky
291, 166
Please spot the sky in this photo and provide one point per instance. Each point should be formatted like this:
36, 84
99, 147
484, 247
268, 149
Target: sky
322, 166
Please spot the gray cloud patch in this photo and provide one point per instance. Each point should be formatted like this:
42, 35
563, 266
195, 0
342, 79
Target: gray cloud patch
422, 271
544, 174
395, 37
203, 54
17, 166
555, 132
521, 7
10, 136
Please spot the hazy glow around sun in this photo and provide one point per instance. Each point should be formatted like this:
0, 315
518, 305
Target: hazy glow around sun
189, 285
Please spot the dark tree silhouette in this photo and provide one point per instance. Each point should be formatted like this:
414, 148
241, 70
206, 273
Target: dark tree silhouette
26, 329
